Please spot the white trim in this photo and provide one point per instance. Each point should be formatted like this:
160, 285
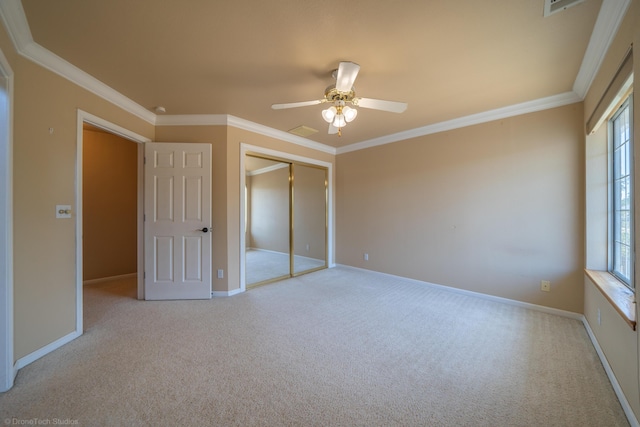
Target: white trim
43, 351
218, 294
631, 417
18, 29
609, 19
15, 22
109, 279
7, 371
536, 307
606, 27
278, 134
84, 117
192, 120
473, 119
229, 120
98, 122
244, 149
564, 313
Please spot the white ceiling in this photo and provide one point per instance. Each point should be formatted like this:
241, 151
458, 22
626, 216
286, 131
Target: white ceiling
452, 62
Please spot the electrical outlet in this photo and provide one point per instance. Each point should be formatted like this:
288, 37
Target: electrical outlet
545, 285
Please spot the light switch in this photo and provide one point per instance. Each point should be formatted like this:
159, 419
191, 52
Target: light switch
63, 211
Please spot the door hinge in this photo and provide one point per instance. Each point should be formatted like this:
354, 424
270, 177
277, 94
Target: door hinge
144, 160
144, 274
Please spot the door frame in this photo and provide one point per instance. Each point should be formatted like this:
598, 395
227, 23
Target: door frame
8, 370
84, 117
249, 149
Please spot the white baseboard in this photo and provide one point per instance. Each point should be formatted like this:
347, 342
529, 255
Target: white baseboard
631, 416
549, 310
32, 357
108, 279
216, 294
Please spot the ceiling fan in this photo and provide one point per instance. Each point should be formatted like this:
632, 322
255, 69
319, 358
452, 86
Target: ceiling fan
343, 99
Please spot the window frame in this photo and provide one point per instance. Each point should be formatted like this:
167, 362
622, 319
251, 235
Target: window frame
628, 281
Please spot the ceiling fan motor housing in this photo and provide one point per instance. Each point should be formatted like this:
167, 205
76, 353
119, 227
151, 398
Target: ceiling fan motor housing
332, 94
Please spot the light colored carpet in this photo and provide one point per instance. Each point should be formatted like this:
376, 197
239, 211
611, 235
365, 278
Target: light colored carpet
338, 347
266, 265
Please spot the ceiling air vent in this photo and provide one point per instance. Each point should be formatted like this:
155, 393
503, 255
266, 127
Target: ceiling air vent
553, 6
303, 131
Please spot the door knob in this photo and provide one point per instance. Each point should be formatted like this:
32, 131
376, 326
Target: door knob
204, 230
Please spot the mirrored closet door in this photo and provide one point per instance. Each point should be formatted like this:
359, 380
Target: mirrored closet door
286, 219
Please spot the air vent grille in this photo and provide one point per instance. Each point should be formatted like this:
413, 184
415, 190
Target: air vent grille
303, 131
553, 6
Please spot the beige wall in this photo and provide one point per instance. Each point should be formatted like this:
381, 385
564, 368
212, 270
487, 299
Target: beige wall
269, 213
493, 208
110, 198
618, 341
44, 168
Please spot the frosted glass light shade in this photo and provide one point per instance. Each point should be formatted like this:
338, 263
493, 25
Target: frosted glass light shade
329, 114
339, 121
349, 113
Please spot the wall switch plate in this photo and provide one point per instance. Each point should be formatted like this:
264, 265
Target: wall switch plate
63, 211
366, 257
220, 274
545, 285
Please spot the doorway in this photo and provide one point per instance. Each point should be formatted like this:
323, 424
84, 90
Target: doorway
285, 218
87, 120
109, 196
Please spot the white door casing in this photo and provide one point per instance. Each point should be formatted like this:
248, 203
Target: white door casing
177, 226
7, 371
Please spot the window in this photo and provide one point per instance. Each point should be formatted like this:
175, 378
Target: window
621, 219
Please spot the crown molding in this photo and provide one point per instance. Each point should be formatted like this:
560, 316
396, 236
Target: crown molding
278, 134
609, 19
15, 22
473, 119
236, 122
605, 29
18, 28
192, 120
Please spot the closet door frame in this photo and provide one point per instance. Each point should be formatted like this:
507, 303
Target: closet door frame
248, 149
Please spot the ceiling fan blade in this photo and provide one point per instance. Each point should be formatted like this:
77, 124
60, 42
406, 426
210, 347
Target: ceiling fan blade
332, 129
379, 104
296, 104
347, 73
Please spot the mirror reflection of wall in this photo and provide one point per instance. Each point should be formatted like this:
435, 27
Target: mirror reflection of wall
284, 239
309, 218
267, 256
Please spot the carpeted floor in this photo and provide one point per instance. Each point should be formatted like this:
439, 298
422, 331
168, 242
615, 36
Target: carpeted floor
338, 347
266, 265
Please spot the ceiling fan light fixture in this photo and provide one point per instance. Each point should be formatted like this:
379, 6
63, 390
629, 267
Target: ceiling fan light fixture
329, 114
339, 121
349, 113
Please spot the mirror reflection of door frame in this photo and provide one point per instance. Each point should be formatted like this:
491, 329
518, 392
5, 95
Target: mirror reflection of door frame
277, 155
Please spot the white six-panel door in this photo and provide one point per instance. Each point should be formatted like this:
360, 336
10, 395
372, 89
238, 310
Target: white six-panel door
177, 224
